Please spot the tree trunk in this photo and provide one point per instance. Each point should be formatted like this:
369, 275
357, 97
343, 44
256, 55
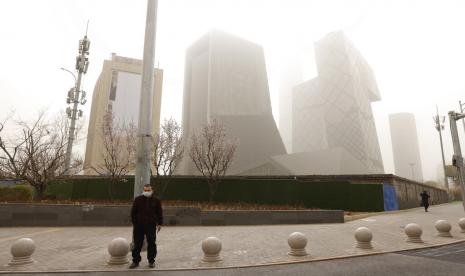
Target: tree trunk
110, 188
212, 187
39, 187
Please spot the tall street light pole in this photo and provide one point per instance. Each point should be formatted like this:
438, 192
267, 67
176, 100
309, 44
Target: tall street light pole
457, 159
461, 111
76, 96
144, 132
439, 124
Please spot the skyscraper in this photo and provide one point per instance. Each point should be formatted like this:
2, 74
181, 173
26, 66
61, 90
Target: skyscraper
225, 79
405, 149
333, 110
118, 90
290, 76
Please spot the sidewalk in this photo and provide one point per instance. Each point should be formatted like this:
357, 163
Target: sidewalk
85, 248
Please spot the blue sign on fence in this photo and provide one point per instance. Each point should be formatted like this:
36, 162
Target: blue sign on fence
390, 198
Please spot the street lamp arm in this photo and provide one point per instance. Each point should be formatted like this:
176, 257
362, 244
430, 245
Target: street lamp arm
74, 76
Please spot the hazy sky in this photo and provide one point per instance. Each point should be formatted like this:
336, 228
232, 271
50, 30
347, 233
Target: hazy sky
416, 49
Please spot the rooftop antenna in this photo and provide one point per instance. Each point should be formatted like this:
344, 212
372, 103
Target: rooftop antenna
87, 27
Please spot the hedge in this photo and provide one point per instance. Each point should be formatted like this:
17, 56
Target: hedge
91, 188
18, 193
323, 195
311, 194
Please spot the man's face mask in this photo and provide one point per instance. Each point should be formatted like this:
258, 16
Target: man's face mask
147, 194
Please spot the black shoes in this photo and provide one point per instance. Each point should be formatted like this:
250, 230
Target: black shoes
134, 265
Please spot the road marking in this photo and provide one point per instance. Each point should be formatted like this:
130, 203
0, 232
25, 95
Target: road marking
437, 252
449, 252
31, 234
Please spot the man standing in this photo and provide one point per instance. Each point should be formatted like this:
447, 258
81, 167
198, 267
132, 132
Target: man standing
147, 217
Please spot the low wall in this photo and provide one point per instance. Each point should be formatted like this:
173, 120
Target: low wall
118, 215
271, 217
407, 191
363, 193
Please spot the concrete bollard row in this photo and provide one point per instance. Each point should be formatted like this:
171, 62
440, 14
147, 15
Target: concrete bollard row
22, 249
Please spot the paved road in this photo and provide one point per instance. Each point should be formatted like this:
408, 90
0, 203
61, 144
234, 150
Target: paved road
447, 260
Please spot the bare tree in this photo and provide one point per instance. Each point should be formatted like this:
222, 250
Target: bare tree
168, 148
119, 148
12, 159
212, 154
36, 155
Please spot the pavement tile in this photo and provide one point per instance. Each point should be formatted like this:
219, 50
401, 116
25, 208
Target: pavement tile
85, 248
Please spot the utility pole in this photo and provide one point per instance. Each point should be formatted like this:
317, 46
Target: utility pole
439, 124
461, 111
144, 132
457, 159
76, 96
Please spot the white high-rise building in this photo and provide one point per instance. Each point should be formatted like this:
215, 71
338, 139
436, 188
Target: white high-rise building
405, 148
291, 75
118, 90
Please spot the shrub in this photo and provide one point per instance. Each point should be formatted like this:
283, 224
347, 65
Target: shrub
17, 193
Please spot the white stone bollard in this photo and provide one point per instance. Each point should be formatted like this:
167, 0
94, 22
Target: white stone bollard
462, 225
413, 232
363, 236
297, 242
118, 250
211, 248
443, 227
22, 250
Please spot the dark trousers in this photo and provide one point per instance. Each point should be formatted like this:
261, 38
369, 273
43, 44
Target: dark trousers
425, 203
138, 233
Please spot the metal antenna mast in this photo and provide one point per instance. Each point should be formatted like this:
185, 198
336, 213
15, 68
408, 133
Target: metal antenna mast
439, 125
75, 95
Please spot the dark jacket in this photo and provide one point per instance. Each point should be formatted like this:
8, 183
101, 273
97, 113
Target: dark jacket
424, 199
147, 210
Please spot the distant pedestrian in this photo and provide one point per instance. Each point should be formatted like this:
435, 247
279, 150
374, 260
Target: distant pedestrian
147, 219
425, 200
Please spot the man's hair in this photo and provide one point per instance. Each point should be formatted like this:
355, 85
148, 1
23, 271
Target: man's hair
148, 185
